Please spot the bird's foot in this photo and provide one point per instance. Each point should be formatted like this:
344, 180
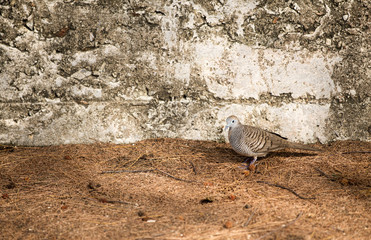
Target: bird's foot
248, 169
250, 164
252, 167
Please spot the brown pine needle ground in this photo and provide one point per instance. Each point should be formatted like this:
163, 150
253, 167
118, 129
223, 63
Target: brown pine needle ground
181, 189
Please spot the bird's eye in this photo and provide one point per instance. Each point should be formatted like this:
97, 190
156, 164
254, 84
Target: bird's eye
232, 121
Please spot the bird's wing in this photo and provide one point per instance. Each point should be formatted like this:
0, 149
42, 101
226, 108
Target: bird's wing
261, 141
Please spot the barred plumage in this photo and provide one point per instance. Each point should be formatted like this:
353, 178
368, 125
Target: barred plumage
255, 142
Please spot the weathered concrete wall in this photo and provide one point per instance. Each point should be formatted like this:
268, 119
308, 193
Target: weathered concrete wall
120, 71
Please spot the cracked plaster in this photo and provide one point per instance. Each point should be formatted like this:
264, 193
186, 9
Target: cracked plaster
113, 71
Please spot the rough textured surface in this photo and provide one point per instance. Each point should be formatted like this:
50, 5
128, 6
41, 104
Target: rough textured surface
58, 192
120, 71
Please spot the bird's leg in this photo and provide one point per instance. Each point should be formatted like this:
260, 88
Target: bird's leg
248, 159
250, 163
253, 161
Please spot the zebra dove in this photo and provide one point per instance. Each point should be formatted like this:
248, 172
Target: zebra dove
255, 142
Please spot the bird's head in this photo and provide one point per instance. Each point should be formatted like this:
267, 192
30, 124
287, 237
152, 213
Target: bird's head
232, 121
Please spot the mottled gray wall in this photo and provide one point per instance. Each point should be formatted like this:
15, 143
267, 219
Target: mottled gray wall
119, 71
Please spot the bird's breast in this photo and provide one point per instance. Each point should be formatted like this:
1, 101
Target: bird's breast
238, 143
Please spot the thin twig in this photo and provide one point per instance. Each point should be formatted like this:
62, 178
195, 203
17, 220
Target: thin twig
282, 227
171, 176
250, 218
103, 200
286, 188
356, 152
193, 167
128, 171
136, 160
149, 170
324, 174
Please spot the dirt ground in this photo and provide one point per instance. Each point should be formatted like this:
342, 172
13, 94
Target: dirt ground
182, 189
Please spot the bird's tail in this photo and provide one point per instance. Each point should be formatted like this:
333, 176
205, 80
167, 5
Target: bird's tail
301, 146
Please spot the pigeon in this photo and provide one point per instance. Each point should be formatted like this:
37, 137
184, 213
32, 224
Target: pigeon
255, 142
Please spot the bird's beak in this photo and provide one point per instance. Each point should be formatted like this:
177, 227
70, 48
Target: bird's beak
226, 128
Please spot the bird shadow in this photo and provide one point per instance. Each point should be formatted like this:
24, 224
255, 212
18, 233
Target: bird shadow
226, 154
291, 154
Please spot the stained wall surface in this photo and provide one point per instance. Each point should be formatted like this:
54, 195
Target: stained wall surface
121, 71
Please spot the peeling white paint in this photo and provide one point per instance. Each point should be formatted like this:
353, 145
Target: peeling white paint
169, 25
86, 91
81, 74
148, 57
112, 84
110, 50
57, 100
183, 72
97, 122
241, 9
137, 98
239, 71
59, 81
89, 57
